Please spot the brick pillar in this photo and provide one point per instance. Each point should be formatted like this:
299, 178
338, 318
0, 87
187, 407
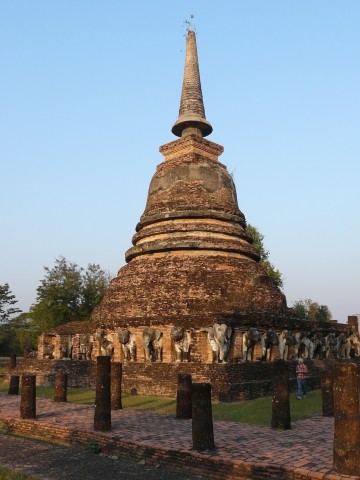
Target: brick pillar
28, 397
347, 419
183, 396
202, 424
102, 416
116, 378
327, 393
14, 385
281, 417
61, 381
12, 362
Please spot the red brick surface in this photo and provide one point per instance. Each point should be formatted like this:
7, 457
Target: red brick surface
242, 451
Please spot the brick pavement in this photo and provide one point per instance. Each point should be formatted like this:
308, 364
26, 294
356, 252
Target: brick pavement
305, 452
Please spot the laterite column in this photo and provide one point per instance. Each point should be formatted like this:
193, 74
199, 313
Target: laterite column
28, 397
61, 381
116, 379
281, 418
327, 393
183, 396
12, 362
347, 419
102, 416
202, 423
14, 385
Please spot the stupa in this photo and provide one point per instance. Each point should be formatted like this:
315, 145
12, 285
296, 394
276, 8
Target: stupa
193, 296
191, 260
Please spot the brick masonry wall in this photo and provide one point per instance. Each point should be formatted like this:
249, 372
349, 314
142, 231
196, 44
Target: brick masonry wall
230, 382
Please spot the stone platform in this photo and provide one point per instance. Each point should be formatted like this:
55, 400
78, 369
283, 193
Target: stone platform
242, 451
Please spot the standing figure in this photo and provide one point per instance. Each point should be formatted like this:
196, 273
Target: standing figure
301, 373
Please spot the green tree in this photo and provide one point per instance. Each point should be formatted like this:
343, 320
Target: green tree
17, 335
7, 300
264, 254
67, 293
95, 282
323, 314
309, 310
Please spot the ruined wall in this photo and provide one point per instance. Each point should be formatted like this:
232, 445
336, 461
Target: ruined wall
229, 382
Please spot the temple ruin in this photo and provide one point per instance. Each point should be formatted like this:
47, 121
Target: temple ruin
193, 297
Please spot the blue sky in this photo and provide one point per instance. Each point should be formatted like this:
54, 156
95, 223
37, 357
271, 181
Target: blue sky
89, 90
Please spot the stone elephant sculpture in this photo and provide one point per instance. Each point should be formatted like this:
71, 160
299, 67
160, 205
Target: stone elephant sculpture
343, 346
354, 339
330, 344
318, 340
219, 339
66, 346
286, 339
182, 341
106, 343
152, 342
304, 346
49, 350
268, 340
128, 343
250, 338
85, 346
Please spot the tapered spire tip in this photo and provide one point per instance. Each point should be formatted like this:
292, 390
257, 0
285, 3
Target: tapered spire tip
192, 118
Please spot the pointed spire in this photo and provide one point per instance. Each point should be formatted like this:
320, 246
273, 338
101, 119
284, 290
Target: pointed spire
192, 118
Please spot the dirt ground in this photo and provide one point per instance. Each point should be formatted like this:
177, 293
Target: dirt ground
54, 462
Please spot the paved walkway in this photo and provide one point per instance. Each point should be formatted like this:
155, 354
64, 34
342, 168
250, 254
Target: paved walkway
306, 450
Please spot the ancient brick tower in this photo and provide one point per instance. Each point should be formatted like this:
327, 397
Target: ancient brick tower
193, 297
192, 261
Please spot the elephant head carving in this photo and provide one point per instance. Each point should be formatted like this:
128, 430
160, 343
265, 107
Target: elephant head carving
66, 343
85, 346
286, 338
49, 350
128, 343
268, 340
250, 338
182, 340
219, 336
152, 342
106, 343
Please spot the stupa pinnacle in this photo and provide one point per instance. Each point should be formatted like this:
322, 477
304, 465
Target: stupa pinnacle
192, 112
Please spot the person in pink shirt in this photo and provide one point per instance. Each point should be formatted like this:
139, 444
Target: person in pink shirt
301, 373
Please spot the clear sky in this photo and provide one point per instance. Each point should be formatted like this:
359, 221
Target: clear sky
89, 90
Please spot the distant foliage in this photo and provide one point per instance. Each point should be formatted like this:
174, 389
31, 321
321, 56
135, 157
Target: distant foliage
67, 293
264, 254
7, 302
9, 328
309, 310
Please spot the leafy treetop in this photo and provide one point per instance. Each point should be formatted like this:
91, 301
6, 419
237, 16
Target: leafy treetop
310, 310
68, 293
7, 300
264, 254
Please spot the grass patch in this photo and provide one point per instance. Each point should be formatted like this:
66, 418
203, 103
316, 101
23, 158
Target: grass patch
6, 474
257, 412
